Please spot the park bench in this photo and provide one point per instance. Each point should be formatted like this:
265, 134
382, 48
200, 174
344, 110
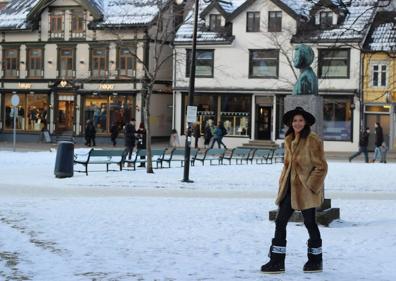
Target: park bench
100, 156
239, 155
279, 154
177, 155
156, 157
211, 154
261, 155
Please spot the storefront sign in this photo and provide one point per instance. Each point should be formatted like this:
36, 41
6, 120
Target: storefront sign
63, 83
106, 87
24, 85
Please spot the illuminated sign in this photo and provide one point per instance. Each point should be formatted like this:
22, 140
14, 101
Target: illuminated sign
106, 87
24, 85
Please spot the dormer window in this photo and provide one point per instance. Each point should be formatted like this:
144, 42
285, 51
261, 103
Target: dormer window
57, 25
77, 24
326, 19
214, 22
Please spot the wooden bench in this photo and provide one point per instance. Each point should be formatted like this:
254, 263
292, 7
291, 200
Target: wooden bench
177, 155
100, 156
211, 154
279, 154
239, 155
156, 157
261, 155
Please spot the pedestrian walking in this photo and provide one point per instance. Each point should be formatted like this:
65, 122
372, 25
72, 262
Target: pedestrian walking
90, 134
114, 133
384, 152
218, 135
174, 140
208, 135
363, 143
196, 134
301, 187
141, 141
130, 137
379, 139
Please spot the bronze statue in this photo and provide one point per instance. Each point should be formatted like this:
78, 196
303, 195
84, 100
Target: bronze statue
307, 83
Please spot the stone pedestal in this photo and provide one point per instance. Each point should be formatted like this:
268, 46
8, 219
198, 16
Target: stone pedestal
312, 104
325, 214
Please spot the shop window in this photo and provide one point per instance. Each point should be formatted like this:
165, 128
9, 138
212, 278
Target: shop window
66, 65
99, 62
252, 21
337, 119
31, 113
77, 24
56, 21
379, 75
206, 110
264, 64
105, 111
334, 63
126, 62
35, 62
11, 63
235, 114
204, 63
274, 21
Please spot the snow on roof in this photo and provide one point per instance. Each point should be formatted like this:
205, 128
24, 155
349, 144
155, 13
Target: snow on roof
14, 14
129, 12
383, 34
300, 7
231, 5
115, 12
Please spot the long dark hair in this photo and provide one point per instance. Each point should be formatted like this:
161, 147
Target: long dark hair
303, 134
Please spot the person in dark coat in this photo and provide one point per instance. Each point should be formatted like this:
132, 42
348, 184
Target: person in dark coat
219, 133
363, 143
141, 141
90, 134
379, 139
208, 134
196, 134
130, 137
114, 133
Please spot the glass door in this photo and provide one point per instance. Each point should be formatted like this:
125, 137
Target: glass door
65, 116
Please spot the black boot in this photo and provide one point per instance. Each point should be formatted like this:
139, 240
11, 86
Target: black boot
315, 262
277, 256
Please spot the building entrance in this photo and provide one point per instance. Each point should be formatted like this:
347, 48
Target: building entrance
65, 113
263, 122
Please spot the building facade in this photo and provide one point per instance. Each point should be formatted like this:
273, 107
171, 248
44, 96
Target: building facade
74, 61
379, 77
245, 69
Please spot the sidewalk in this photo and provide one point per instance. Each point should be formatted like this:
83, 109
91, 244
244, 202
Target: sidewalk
26, 146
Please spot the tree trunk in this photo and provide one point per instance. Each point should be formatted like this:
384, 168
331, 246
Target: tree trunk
146, 110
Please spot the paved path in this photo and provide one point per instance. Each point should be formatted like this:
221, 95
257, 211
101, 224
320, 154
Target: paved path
31, 192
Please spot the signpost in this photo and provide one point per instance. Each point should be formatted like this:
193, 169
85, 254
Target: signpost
14, 103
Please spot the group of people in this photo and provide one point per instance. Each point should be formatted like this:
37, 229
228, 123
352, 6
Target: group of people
132, 136
380, 150
212, 134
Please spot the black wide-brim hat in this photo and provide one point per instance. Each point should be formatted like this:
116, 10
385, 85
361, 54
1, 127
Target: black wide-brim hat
288, 116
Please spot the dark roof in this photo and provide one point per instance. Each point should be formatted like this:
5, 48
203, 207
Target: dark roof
382, 35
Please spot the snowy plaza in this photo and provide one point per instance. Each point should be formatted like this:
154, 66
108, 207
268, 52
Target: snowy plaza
131, 225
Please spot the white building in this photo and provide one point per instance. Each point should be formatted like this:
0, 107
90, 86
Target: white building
76, 60
244, 65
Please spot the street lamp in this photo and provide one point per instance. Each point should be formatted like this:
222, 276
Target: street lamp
187, 146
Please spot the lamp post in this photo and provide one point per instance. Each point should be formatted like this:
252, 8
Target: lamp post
187, 151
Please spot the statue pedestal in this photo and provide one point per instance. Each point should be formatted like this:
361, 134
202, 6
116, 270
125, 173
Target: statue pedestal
311, 103
325, 214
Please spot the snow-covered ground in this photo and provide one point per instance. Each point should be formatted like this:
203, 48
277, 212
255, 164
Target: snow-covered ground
133, 226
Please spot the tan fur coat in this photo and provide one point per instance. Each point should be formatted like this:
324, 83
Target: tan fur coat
306, 163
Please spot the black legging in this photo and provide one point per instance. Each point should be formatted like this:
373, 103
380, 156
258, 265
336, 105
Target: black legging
285, 212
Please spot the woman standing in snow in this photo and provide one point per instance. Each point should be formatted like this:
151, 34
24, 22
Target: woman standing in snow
301, 187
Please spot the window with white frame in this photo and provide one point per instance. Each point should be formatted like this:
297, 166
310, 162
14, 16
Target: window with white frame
264, 63
379, 75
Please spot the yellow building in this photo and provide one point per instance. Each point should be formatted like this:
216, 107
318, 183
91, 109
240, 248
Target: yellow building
379, 77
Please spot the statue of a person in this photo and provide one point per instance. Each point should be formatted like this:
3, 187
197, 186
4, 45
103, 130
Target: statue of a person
307, 83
